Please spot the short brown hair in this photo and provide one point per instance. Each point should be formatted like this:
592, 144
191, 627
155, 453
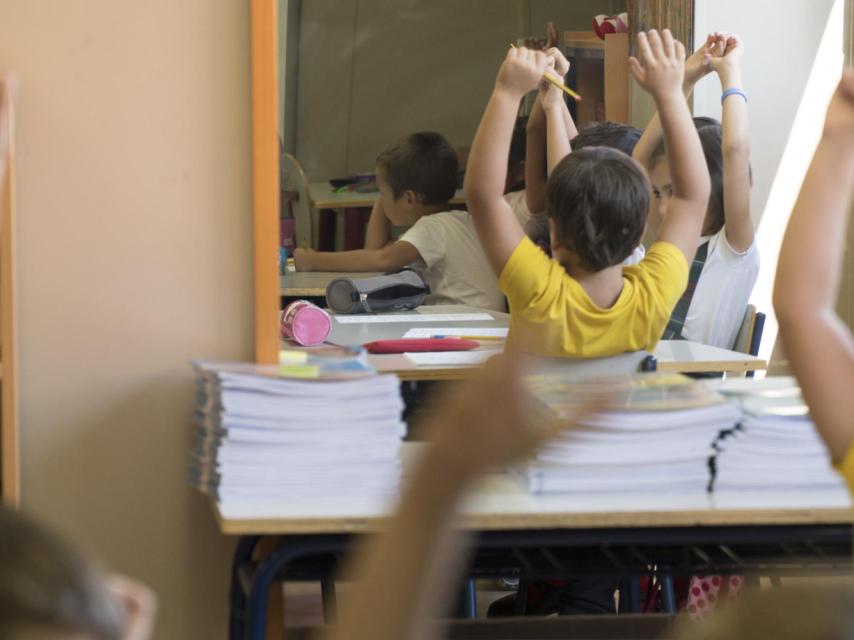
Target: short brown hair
47, 584
421, 162
599, 200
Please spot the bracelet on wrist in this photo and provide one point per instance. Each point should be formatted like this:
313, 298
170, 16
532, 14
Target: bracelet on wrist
733, 92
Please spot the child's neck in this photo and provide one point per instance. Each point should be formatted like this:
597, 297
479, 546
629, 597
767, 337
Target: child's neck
427, 209
602, 287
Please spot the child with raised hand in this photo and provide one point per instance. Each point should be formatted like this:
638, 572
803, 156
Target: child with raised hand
818, 344
417, 177
583, 302
726, 263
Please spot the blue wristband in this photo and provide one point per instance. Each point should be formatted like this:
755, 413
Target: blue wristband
733, 92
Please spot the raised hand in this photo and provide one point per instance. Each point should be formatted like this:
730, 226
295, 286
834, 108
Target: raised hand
727, 51
698, 64
522, 71
661, 68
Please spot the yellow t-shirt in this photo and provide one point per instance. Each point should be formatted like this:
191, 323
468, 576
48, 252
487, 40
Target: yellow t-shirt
551, 314
846, 469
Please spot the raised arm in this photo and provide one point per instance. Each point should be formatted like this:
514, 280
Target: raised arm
697, 66
661, 73
537, 135
408, 571
817, 342
560, 127
390, 258
735, 145
497, 227
378, 233
535, 159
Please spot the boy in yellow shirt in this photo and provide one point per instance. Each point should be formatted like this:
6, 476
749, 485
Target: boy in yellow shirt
583, 302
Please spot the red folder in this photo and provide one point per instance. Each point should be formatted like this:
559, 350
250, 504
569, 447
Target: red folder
411, 345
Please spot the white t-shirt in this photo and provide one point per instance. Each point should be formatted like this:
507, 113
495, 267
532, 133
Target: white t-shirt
722, 293
516, 200
452, 261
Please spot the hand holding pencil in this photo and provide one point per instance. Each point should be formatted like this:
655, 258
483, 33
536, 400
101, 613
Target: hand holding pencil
561, 67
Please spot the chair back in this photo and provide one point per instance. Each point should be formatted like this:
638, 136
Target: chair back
296, 200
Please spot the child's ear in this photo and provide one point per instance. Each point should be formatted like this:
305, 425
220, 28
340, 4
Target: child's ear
410, 199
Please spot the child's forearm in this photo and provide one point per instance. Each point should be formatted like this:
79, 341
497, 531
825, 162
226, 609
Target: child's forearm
735, 147
535, 159
654, 134
811, 258
688, 171
358, 260
408, 587
378, 232
486, 173
557, 140
568, 122
817, 342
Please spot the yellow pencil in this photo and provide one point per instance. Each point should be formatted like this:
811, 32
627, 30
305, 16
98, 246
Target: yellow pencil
556, 82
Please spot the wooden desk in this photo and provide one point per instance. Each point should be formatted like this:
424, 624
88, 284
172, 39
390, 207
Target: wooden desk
518, 534
674, 356
323, 196
502, 503
312, 284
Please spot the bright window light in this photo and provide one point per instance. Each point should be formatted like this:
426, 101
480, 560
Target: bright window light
802, 142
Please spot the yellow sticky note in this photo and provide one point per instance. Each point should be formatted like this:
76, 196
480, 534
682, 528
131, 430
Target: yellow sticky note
293, 356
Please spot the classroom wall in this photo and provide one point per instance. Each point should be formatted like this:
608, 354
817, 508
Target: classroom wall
374, 70
135, 255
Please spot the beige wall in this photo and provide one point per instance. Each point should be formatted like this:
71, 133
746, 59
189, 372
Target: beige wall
134, 255
373, 70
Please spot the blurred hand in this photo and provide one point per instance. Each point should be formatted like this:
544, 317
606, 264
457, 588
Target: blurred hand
490, 421
139, 605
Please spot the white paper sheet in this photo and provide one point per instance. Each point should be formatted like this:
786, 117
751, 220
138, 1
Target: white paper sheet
429, 332
414, 317
451, 358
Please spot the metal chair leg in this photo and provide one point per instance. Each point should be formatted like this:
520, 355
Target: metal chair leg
330, 604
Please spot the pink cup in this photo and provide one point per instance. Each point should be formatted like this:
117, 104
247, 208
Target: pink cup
305, 323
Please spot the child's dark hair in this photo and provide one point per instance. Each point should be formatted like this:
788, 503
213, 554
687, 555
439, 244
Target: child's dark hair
711, 139
599, 200
421, 162
46, 584
607, 134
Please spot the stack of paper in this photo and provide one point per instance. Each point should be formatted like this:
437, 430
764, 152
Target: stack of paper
260, 436
658, 437
776, 445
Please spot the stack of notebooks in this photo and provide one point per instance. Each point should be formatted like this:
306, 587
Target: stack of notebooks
300, 432
657, 438
775, 446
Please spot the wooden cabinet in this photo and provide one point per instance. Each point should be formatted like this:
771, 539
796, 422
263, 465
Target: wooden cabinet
599, 71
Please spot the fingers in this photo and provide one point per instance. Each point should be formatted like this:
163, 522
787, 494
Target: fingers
667, 43
644, 49
679, 50
655, 44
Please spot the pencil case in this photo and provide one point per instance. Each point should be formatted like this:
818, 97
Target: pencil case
391, 292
